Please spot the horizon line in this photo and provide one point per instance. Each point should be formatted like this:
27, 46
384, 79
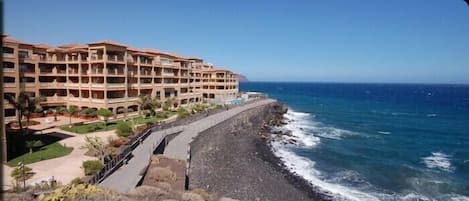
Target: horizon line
351, 82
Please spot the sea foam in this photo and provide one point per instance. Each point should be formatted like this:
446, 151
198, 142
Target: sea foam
439, 161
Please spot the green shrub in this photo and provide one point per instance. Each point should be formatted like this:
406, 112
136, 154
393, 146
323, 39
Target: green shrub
92, 166
123, 129
19, 173
182, 113
162, 115
89, 112
104, 112
165, 107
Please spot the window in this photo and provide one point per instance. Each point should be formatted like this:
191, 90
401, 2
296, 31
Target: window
23, 54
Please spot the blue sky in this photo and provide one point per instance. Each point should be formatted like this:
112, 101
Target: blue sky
301, 40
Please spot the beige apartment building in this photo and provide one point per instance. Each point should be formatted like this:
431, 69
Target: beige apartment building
109, 75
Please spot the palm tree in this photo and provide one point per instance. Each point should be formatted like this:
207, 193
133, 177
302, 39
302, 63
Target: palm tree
56, 111
148, 103
20, 104
32, 107
71, 110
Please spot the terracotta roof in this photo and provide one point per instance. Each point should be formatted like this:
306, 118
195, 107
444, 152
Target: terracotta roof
194, 58
151, 50
43, 46
108, 42
7, 39
69, 45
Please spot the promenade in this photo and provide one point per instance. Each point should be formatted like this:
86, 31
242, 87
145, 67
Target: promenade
127, 176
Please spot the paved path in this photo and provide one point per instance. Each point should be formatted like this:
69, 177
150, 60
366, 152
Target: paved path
64, 169
127, 176
177, 148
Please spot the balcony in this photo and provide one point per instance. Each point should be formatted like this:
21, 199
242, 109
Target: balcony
30, 84
9, 85
168, 74
115, 71
73, 71
115, 58
96, 57
146, 62
55, 98
97, 85
117, 100
9, 69
8, 55
95, 100
96, 72
71, 84
116, 85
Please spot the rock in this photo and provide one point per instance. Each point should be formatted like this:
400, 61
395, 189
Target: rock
191, 197
227, 199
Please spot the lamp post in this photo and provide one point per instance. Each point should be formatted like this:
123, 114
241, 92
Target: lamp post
23, 176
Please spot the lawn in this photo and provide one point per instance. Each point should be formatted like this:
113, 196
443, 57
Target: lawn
99, 126
47, 152
93, 127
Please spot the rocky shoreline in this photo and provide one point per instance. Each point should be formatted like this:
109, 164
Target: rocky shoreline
234, 159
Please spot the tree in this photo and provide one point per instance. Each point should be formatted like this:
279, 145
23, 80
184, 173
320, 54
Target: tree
20, 104
105, 113
56, 111
32, 106
33, 144
71, 110
146, 102
95, 145
170, 103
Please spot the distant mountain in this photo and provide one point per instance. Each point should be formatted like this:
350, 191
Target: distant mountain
243, 78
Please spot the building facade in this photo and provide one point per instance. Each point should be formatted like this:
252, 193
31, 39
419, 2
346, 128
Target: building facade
109, 75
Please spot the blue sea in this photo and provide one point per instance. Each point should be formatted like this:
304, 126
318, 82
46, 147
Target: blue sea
375, 141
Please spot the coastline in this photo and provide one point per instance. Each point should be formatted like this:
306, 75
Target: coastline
240, 163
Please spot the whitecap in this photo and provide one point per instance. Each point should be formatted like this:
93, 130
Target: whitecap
305, 168
431, 115
439, 161
384, 132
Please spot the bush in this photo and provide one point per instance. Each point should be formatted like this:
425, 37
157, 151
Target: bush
92, 166
104, 112
24, 122
88, 112
124, 129
162, 115
20, 174
182, 113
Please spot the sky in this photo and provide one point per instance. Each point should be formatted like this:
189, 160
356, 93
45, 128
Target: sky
402, 41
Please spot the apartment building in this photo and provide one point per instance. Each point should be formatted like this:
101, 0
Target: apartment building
106, 74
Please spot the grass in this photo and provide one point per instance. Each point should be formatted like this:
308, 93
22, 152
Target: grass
47, 152
99, 126
93, 127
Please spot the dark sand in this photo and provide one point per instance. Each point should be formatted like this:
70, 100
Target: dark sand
233, 159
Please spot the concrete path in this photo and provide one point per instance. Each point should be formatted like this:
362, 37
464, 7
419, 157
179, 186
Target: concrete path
177, 148
64, 169
126, 177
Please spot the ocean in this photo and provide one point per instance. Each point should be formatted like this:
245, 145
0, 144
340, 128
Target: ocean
375, 141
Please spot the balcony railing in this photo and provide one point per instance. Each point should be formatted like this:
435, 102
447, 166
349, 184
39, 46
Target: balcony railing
95, 100
8, 55
96, 57
114, 100
115, 58
9, 69
9, 84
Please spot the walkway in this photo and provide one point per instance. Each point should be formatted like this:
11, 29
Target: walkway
177, 148
128, 176
64, 169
